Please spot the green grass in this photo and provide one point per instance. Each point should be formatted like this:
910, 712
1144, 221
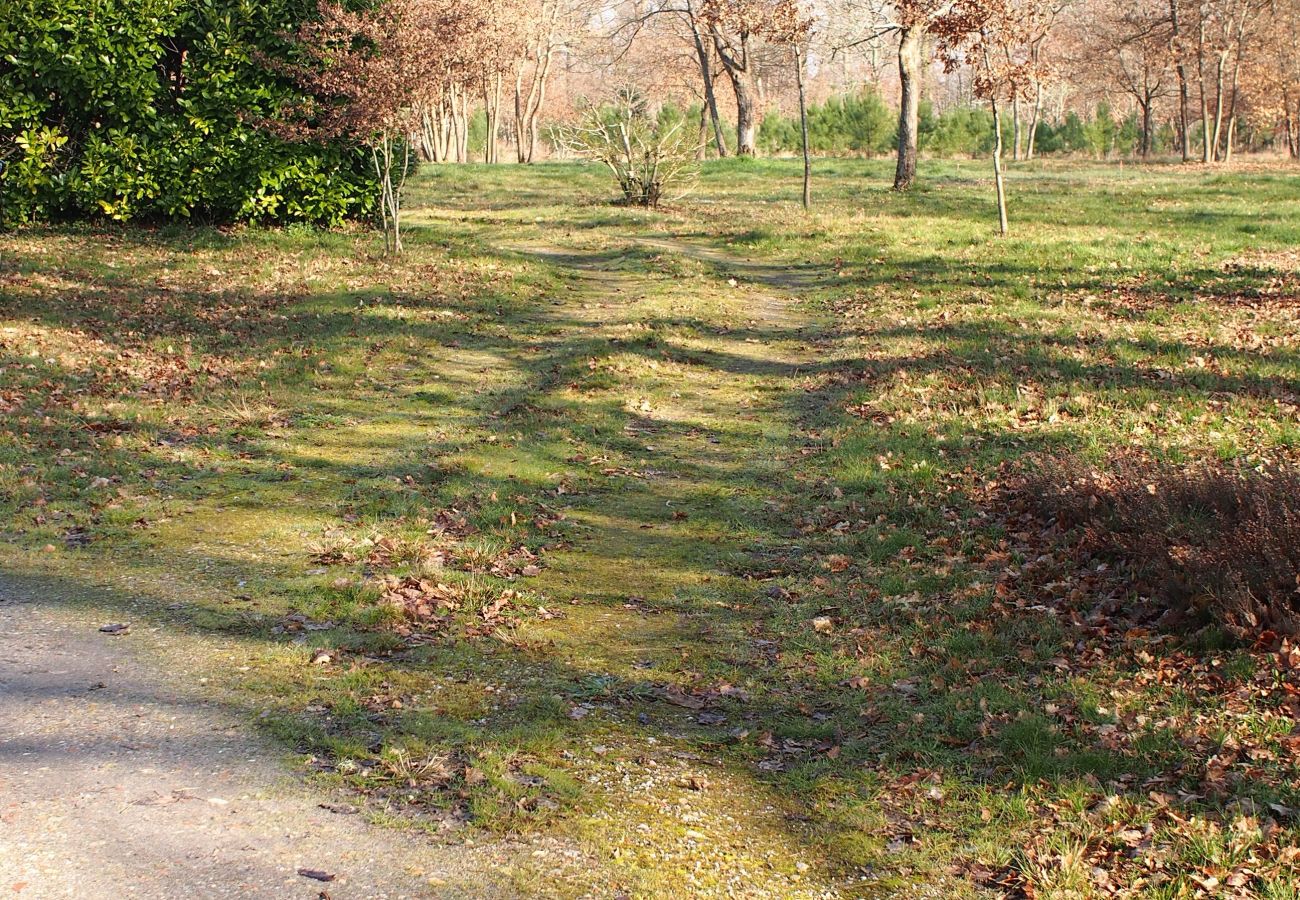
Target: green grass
748, 448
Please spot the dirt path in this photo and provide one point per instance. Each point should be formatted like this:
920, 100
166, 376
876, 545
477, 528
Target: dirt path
121, 777
117, 780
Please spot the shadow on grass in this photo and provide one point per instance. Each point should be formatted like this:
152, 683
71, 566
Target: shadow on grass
715, 610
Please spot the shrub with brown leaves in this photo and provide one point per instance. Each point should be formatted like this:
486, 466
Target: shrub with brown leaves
1212, 541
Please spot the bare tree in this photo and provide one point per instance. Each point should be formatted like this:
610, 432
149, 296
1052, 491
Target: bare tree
733, 26
1133, 37
532, 74
1271, 74
704, 54
1178, 52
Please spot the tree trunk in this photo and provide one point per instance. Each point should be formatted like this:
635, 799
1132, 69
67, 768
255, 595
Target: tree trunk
446, 132
1015, 128
492, 115
464, 125
1035, 117
1218, 104
1232, 97
803, 129
739, 71
1207, 148
519, 117
746, 118
1292, 132
390, 190
459, 124
706, 74
997, 169
909, 79
428, 145
1184, 125
1147, 125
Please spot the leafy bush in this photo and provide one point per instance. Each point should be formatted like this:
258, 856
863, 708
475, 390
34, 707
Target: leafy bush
150, 110
1212, 542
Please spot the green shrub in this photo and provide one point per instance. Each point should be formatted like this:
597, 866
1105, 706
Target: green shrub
860, 124
959, 131
153, 109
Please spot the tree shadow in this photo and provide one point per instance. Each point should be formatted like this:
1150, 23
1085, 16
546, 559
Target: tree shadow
716, 651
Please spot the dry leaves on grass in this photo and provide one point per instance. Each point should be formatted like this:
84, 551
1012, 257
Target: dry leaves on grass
420, 603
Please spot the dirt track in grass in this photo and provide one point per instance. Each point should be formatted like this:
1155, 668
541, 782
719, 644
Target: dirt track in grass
692, 512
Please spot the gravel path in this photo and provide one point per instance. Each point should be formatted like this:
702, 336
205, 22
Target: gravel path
117, 781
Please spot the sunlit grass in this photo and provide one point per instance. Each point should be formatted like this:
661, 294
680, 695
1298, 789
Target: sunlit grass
760, 651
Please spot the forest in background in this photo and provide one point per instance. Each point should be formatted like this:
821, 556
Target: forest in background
165, 110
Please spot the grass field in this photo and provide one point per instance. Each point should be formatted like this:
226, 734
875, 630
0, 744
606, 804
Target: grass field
669, 544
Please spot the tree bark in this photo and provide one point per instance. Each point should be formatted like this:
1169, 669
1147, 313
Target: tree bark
803, 129
1184, 125
999, 187
739, 71
746, 117
909, 78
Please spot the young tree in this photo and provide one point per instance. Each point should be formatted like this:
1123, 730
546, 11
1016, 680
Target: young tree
367, 73
1040, 46
999, 51
646, 153
803, 123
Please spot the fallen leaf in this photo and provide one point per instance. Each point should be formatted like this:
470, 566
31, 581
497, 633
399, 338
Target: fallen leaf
316, 874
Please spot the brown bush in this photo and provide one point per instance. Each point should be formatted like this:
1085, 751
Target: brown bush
1212, 541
